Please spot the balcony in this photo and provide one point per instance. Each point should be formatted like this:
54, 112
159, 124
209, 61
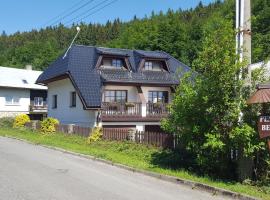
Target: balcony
42, 108
157, 110
113, 111
133, 111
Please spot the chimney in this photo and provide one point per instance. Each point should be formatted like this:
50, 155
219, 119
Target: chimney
28, 67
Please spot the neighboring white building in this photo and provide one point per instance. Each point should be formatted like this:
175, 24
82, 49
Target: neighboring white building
112, 88
264, 65
19, 93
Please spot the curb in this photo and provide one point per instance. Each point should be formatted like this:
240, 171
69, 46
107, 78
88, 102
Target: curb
172, 179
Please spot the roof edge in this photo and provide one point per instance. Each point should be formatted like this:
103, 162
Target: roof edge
85, 107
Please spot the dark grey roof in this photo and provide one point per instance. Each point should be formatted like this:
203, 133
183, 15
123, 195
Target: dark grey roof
80, 64
145, 77
152, 54
110, 51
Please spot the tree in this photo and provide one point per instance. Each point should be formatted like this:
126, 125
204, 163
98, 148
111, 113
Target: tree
205, 109
3, 34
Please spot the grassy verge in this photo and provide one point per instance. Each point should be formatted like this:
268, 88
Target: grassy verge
130, 154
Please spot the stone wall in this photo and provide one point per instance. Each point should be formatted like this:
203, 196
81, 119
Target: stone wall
10, 114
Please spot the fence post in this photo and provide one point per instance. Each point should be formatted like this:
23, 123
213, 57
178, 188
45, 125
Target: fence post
174, 141
70, 128
144, 109
34, 125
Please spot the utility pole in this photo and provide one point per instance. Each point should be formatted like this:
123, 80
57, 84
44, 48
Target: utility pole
243, 50
243, 36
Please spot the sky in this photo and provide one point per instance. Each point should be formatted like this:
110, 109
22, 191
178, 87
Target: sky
25, 15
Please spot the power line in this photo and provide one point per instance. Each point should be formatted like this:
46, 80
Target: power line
70, 13
94, 12
65, 11
92, 8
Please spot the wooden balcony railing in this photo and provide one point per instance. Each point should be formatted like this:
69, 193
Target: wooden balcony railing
133, 111
157, 109
121, 109
38, 108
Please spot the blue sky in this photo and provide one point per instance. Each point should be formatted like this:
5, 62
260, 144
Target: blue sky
24, 15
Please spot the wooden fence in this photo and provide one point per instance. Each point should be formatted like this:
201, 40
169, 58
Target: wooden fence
158, 139
119, 134
82, 131
63, 128
73, 129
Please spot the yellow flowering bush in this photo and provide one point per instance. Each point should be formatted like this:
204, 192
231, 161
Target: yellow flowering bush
48, 125
21, 120
95, 136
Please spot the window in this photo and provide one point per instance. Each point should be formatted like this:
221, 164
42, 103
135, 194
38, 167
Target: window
148, 65
24, 81
117, 63
54, 101
38, 101
73, 99
115, 96
12, 101
155, 65
158, 96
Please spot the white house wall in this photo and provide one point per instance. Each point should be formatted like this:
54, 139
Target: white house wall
13, 110
265, 66
77, 115
147, 89
133, 95
64, 113
131, 92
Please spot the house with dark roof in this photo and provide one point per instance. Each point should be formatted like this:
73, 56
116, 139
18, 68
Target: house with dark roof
96, 86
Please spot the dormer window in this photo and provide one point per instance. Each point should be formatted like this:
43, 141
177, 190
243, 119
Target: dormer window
24, 81
148, 65
113, 63
117, 63
155, 65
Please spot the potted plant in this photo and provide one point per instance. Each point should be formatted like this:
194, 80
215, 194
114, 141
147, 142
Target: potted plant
129, 104
157, 105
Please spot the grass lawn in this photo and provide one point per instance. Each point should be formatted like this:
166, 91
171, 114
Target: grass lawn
130, 154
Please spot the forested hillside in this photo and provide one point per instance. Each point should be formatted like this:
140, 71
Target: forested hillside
177, 32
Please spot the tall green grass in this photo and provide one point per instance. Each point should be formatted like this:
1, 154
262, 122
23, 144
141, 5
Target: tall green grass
130, 154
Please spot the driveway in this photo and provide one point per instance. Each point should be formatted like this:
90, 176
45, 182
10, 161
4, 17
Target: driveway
32, 172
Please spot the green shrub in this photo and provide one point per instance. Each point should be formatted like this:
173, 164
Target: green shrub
48, 125
6, 122
95, 136
21, 120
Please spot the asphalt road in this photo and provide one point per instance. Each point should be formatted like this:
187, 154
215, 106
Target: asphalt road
31, 172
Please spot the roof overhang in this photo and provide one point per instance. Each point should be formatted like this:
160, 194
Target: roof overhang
156, 84
260, 96
56, 78
23, 88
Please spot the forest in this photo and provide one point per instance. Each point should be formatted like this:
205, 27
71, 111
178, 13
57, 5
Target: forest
178, 32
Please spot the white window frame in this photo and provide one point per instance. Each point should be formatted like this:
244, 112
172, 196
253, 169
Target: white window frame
117, 63
13, 101
38, 101
148, 65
